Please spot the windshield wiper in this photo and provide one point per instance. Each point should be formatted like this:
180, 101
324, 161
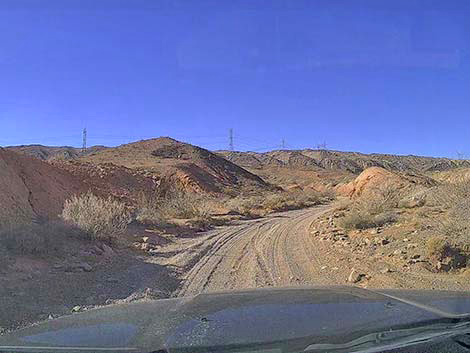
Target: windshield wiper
377, 342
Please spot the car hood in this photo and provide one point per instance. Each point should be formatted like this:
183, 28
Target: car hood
264, 317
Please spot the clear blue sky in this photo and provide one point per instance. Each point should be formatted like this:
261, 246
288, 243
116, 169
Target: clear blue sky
372, 76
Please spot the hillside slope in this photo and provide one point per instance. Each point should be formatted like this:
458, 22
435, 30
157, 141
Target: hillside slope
30, 187
194, 168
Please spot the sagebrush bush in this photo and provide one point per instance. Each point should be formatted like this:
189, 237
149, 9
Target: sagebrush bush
454, 199
249, 207
381, 199
260, 205
437, 247
362, 220
291, 200
413, 201
441, 249
148, 211
276, 202
357, 220
98, 217
174, 204
328, 194
385, 218
181, 204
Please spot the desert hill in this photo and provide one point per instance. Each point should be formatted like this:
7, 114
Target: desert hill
194, 168
53, 152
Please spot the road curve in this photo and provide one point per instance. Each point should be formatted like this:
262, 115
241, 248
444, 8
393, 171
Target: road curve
277, 251
273, 251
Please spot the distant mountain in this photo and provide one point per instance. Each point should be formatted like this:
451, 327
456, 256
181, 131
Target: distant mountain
53, 152
353, 162
193, 167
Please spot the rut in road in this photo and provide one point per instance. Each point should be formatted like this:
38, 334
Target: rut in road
274, 251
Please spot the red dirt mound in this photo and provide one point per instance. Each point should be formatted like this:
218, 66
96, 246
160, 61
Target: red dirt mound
30, 187
373, 178
109, 179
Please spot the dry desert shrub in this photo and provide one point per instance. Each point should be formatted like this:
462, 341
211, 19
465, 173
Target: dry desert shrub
356, 220
446, 254
251, 207
454, 198
383, 198
291, 200
99, 218
174, 204
181, 204
437, 247
148, 211
374, 209
260, 205
414, 200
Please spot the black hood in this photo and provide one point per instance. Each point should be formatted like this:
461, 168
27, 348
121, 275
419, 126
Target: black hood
261, 317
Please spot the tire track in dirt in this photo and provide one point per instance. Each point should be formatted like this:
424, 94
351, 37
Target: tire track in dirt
269, 252
278, 250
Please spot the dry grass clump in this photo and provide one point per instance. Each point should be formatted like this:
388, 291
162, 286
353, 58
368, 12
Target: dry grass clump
251, 207
291, 200
448, 255
356, 220
383, 198
183, 205
174, 204
99, 218
413, 201
437, 247
375, 209
148, 211
28, 238
454, 199
260, 205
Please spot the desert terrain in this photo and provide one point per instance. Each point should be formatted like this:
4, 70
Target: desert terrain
161, 218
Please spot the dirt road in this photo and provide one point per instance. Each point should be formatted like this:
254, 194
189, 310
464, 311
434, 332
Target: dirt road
280, 250
275, 251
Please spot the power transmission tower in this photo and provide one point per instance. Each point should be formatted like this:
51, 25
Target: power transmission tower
321, 146
230, 138
283, 144
84, 140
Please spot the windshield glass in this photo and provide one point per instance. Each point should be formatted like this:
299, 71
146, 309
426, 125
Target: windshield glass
164, 149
